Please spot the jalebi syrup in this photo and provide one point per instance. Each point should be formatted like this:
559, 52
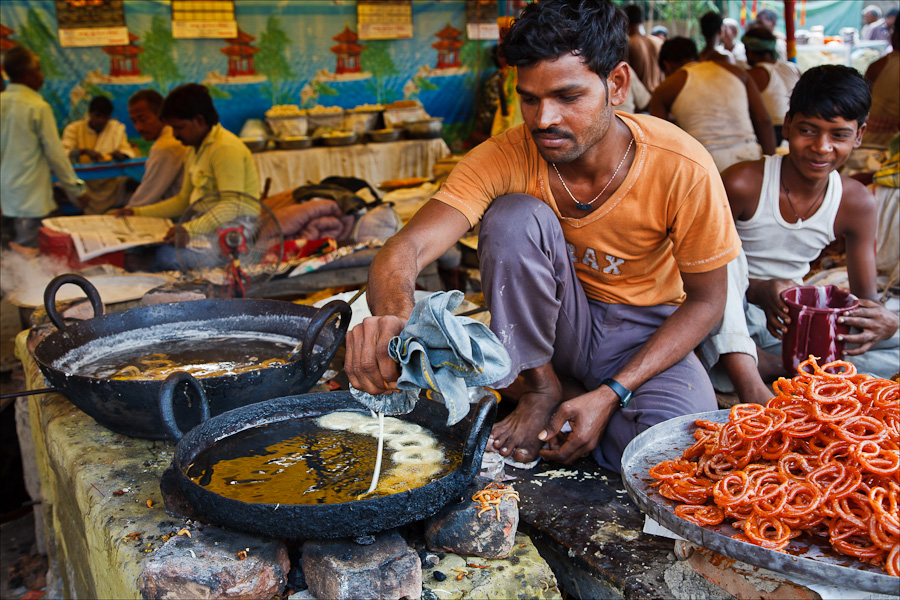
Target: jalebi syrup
298, 462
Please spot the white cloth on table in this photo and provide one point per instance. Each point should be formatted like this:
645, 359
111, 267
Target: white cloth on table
374, 163
713, 108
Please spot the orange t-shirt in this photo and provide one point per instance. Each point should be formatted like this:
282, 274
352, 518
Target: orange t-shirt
669, 215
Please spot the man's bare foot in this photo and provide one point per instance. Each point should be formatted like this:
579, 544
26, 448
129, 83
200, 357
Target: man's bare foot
516, 435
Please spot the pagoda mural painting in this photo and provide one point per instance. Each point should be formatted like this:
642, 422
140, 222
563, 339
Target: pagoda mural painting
448, 63
124, 65
5, 42
239, 51
447, 47
347, 51
347, 68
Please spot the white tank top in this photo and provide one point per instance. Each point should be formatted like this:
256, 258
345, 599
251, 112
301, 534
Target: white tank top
712, 107
776, 96
777, 249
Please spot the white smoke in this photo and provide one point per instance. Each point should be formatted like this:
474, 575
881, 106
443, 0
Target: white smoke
19, 273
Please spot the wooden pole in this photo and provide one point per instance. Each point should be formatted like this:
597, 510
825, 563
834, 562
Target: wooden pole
790, 38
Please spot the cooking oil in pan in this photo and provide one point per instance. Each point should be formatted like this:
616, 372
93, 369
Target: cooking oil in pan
205, 357
298, 462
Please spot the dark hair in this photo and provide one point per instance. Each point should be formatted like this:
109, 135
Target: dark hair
187, 101
763, 34
153, 99
17, 61
710, 24
768, 14
831, 91
678, 49
635, 14
594, 30
100, 105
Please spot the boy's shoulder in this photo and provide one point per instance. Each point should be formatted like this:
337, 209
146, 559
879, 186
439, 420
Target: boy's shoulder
854, 192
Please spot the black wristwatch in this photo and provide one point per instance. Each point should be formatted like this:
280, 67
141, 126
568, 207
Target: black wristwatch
621, 391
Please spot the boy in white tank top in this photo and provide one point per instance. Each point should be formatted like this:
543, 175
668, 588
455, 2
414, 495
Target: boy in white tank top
787, 211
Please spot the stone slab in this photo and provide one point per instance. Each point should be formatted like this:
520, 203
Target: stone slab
586, 527
523, 574
216, 563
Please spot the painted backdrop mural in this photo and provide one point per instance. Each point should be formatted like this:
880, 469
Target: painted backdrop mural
303, 52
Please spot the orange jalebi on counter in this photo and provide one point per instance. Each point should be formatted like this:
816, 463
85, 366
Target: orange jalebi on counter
821, 457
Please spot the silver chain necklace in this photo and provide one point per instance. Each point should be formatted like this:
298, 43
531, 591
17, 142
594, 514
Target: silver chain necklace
582, 205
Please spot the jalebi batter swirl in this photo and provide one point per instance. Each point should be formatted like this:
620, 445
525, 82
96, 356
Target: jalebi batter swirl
159, 366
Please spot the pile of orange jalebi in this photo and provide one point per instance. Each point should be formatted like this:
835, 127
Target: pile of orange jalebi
822, 457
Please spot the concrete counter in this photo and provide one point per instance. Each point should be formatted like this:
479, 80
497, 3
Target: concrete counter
101, 501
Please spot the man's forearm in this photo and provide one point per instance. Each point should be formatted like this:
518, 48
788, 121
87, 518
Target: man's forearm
392, 279
679, 334
683, 331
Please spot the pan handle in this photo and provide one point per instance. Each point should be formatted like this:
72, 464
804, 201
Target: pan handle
61, 280
314, 329
166, 394
479, 431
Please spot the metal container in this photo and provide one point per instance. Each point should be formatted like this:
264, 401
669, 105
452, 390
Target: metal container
384, 135
321, 521
810, 559
293, 143
424, 128
130, 406
347, 138
255, 144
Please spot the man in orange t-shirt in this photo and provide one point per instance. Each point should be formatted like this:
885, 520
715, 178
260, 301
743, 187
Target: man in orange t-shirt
599, 302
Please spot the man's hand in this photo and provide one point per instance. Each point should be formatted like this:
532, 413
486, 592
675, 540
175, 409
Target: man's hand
176, 236
367, 363
119, 156
767, 295
588, 416
91, 154
875, 322
123, 212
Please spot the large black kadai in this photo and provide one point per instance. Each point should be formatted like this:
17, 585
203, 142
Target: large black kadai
350, 519
310, 337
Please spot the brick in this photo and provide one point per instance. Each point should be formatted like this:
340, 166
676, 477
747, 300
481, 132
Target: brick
345, 570
458, 528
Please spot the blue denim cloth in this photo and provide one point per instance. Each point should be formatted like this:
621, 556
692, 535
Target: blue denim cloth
441, 352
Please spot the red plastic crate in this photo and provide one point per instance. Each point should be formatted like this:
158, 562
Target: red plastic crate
54, 243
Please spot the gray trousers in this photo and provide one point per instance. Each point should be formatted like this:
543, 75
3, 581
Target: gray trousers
542, 315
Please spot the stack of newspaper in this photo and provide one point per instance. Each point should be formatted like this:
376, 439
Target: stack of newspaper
96, 235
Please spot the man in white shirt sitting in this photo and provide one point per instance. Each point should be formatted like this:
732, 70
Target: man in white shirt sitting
164, 170
99, 138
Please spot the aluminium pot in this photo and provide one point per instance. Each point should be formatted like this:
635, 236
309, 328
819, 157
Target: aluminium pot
321, 521
130, 407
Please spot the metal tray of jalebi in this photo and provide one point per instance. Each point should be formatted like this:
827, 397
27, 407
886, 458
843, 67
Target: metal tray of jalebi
806, 558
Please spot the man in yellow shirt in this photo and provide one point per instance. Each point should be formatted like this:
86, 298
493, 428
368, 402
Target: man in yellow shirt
216, 161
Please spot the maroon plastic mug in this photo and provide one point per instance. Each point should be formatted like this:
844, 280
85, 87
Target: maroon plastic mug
814, 329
